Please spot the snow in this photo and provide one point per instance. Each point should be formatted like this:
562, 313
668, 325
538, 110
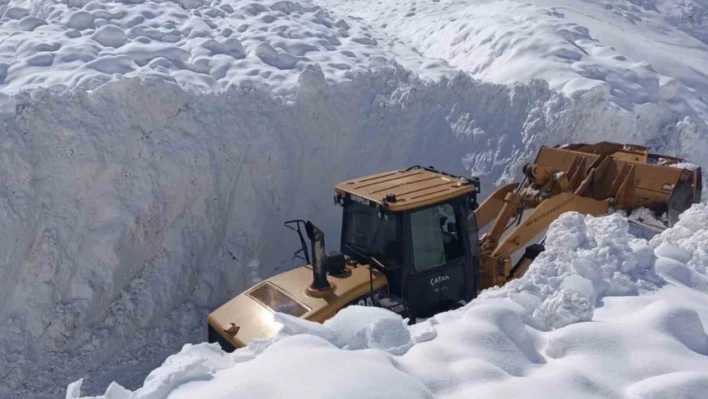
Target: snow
631, 52
155, 208
684, 165
567, 285
624, 329
150, 150
634, 52
203, 46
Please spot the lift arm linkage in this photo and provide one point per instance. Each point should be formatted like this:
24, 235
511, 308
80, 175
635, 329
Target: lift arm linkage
589, 179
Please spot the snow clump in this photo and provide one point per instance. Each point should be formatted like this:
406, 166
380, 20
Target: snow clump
586, 258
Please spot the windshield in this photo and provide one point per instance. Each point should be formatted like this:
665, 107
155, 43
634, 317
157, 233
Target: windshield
275, 300
367, 233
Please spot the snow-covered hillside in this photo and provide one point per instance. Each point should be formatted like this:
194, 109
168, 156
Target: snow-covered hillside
633, 51
150, 150
599, 315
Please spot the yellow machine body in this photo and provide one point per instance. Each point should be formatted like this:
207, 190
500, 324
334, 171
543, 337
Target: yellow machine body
249, 316
591, 179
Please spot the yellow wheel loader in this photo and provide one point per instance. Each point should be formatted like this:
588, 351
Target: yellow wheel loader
410, 238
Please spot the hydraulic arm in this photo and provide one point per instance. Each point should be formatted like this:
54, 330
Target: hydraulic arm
590, 179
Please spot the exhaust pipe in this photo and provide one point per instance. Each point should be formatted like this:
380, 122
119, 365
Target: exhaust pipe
319, 274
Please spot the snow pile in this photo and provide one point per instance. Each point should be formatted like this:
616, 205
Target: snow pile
495, 346
356, 329
202, 45
203, 371
686, 244
565, 286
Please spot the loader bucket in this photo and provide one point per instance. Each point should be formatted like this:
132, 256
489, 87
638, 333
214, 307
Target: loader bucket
628, 175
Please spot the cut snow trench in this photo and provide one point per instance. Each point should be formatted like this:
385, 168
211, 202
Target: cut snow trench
151, 206
127, 213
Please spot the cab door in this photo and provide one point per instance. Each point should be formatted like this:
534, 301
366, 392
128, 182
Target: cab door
438, 259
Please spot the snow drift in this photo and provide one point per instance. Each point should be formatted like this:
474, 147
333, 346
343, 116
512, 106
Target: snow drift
506, 343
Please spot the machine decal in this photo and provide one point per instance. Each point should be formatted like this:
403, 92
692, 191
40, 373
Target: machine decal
437, 280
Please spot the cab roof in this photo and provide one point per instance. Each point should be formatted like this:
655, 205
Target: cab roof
405, 189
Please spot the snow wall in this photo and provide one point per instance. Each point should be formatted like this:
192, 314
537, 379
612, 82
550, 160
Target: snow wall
129, 212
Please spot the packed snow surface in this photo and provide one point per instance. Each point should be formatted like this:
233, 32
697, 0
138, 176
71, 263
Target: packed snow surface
150, 150
600, 314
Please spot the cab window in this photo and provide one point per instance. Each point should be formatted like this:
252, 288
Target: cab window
435, 237
371, 235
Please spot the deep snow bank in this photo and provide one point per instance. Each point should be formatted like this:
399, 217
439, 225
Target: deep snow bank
638, 51
506, 343
633, 54
131, 211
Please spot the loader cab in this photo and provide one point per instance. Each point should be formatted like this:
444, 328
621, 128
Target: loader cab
419, 231
408, 244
